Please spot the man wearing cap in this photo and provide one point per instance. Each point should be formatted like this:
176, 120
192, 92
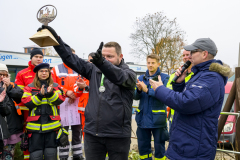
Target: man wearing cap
24, 78
197, 103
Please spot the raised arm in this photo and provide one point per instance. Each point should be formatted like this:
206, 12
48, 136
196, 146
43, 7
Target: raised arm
71, 60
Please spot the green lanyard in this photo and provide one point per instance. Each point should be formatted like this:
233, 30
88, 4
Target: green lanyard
102, 80
102, 88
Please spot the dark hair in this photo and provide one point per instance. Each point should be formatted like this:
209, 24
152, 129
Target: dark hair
153, 56
37, 83
91, 54
115, 45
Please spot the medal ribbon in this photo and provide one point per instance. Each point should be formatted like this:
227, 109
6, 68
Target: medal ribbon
102, 79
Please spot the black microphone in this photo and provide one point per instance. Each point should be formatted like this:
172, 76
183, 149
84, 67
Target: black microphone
184, 67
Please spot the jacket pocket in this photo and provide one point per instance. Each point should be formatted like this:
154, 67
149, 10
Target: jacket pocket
55, 118
139, 114
159, 117
184, 144
32, 118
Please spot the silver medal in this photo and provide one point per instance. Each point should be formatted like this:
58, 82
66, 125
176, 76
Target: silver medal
101, 89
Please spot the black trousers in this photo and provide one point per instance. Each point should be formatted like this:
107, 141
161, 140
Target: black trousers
40, 141
96, 148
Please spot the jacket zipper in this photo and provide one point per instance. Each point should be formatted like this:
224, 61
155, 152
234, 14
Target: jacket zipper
98, 112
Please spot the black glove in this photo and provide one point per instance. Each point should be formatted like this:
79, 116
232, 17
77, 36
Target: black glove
50, 29
63, 141
97, 58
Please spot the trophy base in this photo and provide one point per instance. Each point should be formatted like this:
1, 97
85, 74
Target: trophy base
44, 38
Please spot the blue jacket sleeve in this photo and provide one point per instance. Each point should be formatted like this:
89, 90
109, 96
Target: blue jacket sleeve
73, 61
178, 86
200, 95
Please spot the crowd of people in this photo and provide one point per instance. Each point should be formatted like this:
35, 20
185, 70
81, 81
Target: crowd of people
104, 88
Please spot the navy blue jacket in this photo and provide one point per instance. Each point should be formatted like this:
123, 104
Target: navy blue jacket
151, 112
197, 105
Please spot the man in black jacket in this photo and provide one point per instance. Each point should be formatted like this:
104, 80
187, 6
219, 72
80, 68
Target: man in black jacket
109, 109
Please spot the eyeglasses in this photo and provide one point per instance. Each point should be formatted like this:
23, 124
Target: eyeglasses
196, 50
4, 75
42, 71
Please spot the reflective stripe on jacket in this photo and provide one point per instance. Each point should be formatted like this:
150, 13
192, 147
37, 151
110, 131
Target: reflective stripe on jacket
151, 112
44, 115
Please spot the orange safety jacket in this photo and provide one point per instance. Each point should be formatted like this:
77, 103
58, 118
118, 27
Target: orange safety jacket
24, 78
64, 76
84, 95
83, 100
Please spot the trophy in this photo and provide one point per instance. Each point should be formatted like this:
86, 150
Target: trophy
44, 38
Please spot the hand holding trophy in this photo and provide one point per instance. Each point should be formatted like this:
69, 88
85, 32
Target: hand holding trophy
44, 37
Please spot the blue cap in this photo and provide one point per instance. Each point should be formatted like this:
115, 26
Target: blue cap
41, 66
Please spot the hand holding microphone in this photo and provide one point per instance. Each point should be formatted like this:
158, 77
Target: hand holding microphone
181, 73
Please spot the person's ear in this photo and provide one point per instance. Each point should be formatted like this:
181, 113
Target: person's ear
121, 56
205, 54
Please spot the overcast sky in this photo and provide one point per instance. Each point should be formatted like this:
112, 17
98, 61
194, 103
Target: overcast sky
84, 24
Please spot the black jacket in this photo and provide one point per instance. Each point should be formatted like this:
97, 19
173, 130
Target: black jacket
107, 114
14, 122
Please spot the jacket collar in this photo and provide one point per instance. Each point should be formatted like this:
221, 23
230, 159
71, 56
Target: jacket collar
214, 66
121, 63
30, 65
156, 73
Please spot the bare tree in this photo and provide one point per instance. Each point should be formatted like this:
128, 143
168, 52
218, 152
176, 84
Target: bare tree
156, 34
50, 52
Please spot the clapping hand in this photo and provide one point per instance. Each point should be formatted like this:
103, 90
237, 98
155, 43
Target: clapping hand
50, 88
142, 86
156, 84
42, 91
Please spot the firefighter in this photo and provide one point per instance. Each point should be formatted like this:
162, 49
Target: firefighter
43, 123
24, 78
66, 78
